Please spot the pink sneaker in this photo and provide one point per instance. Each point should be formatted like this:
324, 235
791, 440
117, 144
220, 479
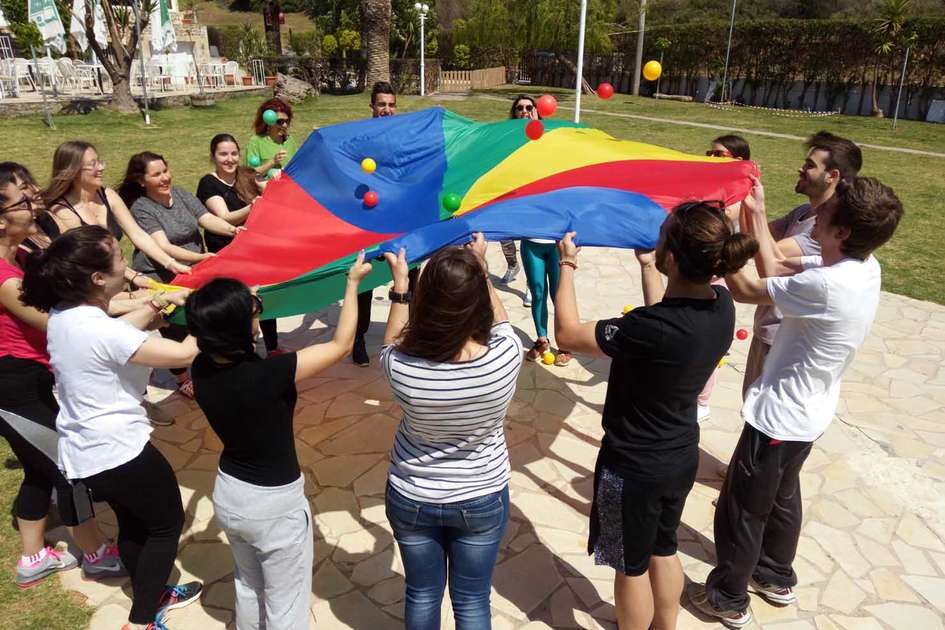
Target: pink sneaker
108, 565
33, 573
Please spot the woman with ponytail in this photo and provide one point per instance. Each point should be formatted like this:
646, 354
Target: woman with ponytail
661, 355
101, 367
259, 494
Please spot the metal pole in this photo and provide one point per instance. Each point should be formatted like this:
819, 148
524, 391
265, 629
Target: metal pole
660, 78
639, 59
580, 63
423, 18
902, 80
144, 73
39, 78
728, 51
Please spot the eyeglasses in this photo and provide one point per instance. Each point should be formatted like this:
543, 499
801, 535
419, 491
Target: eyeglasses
524, 108
257, 304
719, 154
13, 207
282, 122
94, 166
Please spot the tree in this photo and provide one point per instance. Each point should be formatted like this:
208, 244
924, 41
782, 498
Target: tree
375, 23
887, 28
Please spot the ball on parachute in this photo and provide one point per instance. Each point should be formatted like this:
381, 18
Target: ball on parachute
547, 105
652, 70
270, 117
534, 130
452, 202
548, 358
370, 199
254, 161
605, 91
368, 165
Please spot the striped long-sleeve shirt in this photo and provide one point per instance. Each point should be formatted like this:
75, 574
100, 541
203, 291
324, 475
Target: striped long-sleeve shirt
450, 445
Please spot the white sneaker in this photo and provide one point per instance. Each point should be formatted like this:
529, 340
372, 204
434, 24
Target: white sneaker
703, 414
527, 300
511, 274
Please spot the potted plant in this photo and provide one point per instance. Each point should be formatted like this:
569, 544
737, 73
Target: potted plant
270, 80
247, 81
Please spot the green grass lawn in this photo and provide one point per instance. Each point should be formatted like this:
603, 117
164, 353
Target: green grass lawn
182, 135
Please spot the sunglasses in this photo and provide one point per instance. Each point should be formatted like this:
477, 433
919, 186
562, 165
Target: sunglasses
257, 304
718, 154
13, 207
282, 122
524, 108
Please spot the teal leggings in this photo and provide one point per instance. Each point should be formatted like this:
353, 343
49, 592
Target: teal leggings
540, 261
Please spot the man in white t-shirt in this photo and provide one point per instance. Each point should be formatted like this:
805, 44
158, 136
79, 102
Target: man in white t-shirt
828, 303
830, 159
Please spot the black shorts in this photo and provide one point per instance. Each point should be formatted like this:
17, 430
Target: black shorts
633, 519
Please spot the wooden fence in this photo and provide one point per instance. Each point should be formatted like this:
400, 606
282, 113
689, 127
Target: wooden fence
465, 80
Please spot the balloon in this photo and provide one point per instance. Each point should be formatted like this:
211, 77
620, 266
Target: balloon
547, 105
452, 201
534, 129
742, 334
270, 117
548, 358
652, 70
605, 90
254, 161
370, 199
368, 165
627, 308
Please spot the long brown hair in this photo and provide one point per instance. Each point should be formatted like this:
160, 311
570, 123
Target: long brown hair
245, 185
703, 243
68, 161
131, 188
451, 305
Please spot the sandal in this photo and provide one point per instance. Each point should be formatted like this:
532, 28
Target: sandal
564, 357
542, 345
186, 388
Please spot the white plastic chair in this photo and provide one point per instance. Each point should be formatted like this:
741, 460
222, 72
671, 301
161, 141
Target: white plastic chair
232, 69
21, 70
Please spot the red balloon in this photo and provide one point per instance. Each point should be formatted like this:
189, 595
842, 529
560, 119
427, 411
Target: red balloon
605, 90
534, 129
370, 199
742, 334
547, 105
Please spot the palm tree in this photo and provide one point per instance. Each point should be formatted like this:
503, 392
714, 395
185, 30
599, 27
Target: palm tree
375, 20
888, 30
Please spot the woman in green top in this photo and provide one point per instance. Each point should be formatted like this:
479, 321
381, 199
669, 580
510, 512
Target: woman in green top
272, 145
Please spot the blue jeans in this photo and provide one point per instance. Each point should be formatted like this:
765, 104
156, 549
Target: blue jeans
461, 539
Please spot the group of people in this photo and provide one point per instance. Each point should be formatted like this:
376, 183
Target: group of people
73, 314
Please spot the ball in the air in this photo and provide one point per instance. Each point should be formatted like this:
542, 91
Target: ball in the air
605, 90
548, 358
652, 70
270, 117
547, 105
368, 165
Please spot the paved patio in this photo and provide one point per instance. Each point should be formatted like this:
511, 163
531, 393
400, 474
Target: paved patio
872, 554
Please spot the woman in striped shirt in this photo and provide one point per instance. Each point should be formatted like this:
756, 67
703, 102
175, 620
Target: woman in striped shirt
453, 363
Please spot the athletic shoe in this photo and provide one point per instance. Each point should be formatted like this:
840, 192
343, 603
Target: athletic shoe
511, 274
108, 565
776, 595
359, 353
157, 416
527, 300
177, 597
703, 413
733, 619
276, 351
157, 624
31, 574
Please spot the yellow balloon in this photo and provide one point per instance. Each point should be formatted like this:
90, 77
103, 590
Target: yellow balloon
368, 165
627, 308
548, 358
652, 70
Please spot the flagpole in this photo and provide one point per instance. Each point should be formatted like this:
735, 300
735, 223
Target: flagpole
144, 74
42, 90
580, 63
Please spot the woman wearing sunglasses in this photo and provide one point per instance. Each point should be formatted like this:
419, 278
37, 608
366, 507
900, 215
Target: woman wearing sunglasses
259, 494
272, 145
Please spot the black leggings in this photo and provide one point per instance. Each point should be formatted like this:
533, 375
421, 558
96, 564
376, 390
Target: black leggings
144, 495
26, 390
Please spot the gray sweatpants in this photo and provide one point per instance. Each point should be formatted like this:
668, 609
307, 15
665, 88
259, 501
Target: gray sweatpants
271, 536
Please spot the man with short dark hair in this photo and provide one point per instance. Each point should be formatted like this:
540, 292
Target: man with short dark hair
828, 304
830, 159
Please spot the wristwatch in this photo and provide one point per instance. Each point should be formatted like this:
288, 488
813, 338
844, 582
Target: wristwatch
399, 298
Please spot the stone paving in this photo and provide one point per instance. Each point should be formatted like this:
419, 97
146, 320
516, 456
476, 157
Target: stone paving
872, 553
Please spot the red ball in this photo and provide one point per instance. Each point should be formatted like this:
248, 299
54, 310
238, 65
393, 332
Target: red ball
547, 105
605, 90
370, 199
534, 129
741, 334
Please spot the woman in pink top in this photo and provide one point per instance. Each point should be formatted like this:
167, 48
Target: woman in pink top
26, 389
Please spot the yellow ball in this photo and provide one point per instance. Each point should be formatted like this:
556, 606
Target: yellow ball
627, 308
368, 165
652, 70
722, 363
548, 358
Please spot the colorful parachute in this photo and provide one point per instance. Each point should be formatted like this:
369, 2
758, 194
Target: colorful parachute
310, 223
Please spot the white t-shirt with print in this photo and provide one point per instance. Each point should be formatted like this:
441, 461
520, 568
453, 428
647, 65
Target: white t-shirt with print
827, 314
101, 421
